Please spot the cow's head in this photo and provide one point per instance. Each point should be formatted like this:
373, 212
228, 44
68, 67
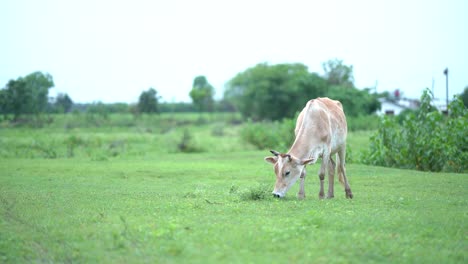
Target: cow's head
287, 169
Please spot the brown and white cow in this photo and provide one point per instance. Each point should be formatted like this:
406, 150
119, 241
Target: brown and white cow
321, 131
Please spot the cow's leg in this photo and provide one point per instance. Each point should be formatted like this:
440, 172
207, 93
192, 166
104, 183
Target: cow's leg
342, 172
331, 178
301, 193
323, 169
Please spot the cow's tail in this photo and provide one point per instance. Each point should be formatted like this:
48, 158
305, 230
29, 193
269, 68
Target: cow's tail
340, 177
341, 166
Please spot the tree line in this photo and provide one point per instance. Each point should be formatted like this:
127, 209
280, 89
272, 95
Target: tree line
262, 92
279, 91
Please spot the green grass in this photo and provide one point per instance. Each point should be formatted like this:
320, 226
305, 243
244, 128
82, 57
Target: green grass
121, 135
127, 195
192, 208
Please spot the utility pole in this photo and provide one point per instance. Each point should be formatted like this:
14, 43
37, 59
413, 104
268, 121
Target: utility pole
446, 89
432, 89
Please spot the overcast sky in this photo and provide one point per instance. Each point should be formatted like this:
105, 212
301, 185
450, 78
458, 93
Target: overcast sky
111, 50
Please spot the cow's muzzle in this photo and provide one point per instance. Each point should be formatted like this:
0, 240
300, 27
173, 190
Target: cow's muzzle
277, 195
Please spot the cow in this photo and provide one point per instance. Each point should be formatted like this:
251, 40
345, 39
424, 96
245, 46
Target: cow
321, 131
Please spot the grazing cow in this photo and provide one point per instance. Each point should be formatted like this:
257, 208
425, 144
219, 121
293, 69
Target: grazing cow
321, 131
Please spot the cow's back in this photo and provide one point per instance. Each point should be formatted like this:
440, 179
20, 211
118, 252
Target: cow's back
322, 121
335, 111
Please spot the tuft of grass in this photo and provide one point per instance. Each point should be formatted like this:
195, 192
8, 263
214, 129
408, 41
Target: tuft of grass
257, 192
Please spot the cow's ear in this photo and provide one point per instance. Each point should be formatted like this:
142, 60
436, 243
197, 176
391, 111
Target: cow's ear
271, 160
308, 161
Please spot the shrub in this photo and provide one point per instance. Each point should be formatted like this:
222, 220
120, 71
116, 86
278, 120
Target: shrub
72, 142
270, 135
187, 144
217, 131
117, 147
46, 149
426, 140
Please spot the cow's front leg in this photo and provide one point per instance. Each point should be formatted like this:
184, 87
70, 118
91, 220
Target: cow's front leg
322, 171
301, 193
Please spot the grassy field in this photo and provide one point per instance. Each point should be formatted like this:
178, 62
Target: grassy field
151, 205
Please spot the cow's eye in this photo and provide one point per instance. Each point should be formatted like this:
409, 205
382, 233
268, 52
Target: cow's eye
287, 173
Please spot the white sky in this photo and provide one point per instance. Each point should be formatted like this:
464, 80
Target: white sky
111, 51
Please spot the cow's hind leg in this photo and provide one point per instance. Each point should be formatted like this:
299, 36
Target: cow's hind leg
301, 193
342, 172
331, 178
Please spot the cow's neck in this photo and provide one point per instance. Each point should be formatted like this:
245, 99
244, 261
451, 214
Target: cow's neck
306, 145
301, 149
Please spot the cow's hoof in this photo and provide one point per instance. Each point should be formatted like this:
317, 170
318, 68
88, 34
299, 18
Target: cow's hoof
349, 195
301, 196
321, 196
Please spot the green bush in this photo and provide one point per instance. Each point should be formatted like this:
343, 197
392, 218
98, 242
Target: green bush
187, 144
426, 140
270, 135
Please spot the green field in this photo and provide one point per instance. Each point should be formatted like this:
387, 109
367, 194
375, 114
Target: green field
127, 195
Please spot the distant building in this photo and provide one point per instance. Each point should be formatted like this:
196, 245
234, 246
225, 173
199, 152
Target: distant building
395, 107
440, 104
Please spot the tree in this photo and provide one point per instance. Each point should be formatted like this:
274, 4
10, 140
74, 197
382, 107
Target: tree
464, 97
337, 73
63, 103
3, 103
26, 95
148, 102
17, 98
202, 94
97, 109
39, 84
273, 92
355, 102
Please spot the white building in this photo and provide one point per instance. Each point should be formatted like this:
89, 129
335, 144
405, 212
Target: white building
395, 107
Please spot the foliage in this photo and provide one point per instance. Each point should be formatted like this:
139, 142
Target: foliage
163, 107
464, 96
202, 94
148, 102
187, 143
338, 74
96, 113
179, 107
4, 103
426, 141
273, 92
107, 107
26, 95
63, 103
270, 135
355, 102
